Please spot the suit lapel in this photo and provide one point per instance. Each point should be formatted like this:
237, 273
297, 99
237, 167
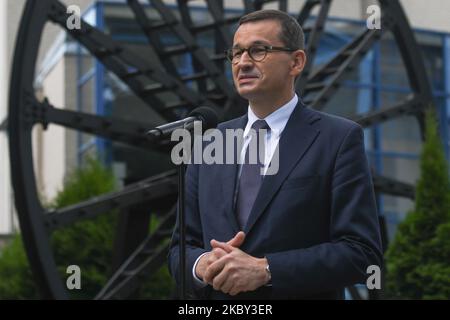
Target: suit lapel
229, 174
297, 137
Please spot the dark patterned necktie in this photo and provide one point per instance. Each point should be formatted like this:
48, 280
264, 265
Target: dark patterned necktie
251, 178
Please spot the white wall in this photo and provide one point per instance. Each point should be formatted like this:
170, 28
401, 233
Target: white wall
432, 14
48, 145
5, 189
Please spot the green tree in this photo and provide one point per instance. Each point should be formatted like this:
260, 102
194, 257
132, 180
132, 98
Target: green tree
16, 280
418, 259
87, 243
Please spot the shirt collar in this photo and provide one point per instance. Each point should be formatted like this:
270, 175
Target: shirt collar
277, 120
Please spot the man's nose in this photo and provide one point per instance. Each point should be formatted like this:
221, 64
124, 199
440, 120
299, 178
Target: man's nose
245, 61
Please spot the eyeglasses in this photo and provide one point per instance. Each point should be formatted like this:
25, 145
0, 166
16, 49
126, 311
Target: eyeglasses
256, 52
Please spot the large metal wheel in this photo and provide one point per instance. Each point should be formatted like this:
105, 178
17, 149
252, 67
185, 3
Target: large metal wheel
146, 78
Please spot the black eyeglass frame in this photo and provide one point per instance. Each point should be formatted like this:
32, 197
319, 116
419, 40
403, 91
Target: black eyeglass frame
230, 56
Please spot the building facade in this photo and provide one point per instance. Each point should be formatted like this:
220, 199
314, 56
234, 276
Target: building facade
70, 78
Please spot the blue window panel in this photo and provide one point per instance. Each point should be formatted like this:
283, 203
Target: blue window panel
376, 104
103, 145
445, 113
93, 15
86, 77
365, 95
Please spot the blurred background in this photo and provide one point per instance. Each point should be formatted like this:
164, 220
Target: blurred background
71, 163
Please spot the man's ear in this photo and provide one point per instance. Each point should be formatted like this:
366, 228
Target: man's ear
298, 63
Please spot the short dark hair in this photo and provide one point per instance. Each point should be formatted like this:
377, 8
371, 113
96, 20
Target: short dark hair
291, 32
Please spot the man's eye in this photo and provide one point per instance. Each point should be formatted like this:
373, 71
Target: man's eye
258, 50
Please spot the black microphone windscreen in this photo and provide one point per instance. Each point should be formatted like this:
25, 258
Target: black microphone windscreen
207, 115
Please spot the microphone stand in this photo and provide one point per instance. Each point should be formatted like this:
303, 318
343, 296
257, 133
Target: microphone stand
156, 134
182, 229
181, 169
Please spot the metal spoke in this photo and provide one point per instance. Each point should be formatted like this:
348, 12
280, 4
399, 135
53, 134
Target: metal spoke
142, 262
347, 60
314, 36
393, 187
409, 107
125, 63
150, 189
129, 132
198, 53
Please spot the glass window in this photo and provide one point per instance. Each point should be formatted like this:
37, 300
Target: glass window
85, 60
87, 98
401, 135
346, 102
431, 46
395, 211
392, 69
401, 167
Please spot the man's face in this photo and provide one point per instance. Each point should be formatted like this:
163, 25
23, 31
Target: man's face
254, 80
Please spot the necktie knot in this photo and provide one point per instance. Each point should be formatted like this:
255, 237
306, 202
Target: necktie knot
260, 124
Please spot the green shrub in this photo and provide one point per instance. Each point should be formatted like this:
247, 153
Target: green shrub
158, 286
418, 262
86, 243
16, 280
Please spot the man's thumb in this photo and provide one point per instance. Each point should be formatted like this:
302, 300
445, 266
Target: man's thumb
238, 239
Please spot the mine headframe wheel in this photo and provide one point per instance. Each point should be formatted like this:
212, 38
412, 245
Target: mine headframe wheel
148, 78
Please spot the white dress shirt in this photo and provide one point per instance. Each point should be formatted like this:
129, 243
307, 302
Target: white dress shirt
277, 121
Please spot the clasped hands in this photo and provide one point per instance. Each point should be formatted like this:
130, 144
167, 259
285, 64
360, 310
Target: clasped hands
231, 270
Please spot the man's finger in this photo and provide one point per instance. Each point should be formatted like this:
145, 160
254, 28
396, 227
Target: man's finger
216, 253
234, 290
238, 239
236, 242
220, 279
213, 269
222, 245
227, 285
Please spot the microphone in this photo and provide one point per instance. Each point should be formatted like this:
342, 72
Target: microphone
206, 115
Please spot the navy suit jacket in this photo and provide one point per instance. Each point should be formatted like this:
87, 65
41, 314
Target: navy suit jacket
315, 220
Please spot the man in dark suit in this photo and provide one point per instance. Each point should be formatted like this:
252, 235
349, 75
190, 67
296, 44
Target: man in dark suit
307, 231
